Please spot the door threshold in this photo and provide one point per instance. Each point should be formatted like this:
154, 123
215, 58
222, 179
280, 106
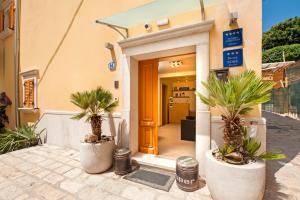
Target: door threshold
154, 161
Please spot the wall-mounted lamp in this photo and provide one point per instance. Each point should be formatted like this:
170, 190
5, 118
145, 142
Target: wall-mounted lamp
233, 17
110, 47
162, 22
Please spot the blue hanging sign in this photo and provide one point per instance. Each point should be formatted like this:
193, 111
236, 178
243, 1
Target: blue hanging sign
233, 38
233, 58
112, 66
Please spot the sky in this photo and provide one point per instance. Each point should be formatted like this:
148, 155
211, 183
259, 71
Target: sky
275, 11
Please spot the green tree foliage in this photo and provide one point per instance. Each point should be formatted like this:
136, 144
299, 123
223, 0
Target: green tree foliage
291, 53
284, 33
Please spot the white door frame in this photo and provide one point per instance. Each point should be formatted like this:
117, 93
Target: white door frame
177, 40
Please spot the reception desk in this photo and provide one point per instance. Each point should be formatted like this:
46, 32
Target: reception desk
178, 112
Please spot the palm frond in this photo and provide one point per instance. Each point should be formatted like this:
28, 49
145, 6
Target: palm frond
272, 156
93, 102
79, 115
251, 146
238, 95
233, 98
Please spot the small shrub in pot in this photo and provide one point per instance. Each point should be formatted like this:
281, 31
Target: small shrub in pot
96, 149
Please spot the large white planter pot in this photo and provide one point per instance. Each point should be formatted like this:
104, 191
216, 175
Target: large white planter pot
235, 182
96, 158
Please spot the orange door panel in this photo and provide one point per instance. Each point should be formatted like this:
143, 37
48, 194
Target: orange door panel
148, 74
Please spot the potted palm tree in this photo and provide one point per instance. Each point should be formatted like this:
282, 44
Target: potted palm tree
96, 150
236, 170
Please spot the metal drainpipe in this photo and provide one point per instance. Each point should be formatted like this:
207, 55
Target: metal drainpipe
202, 9
17, 59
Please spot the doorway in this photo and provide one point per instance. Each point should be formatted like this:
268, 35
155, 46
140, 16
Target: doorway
167, 106
174, 41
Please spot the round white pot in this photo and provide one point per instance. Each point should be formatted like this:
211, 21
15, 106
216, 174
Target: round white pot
235, 182
96, 158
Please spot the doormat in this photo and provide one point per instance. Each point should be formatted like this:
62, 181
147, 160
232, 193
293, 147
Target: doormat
161, 180
273, 127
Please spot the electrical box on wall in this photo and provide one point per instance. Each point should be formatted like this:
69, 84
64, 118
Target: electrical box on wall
116, 84
222, 74
29, 90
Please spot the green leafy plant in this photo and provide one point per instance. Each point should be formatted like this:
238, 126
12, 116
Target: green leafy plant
93, 104
251, 148
22, 137
236, 98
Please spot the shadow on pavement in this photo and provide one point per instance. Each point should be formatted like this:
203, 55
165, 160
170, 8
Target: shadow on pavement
283, 133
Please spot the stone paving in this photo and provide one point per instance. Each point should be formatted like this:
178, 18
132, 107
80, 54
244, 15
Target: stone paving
50, 173
283, 177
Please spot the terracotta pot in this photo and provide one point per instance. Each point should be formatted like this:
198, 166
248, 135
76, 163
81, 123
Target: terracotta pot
96, 157
235, 182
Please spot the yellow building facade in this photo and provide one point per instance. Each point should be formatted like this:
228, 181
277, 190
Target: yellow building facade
64, 49
7, 66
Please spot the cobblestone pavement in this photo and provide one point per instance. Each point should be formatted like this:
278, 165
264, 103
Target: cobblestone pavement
50, 172
283, 177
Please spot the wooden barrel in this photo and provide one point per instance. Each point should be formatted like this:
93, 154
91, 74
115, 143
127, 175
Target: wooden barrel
122, 161
187, 171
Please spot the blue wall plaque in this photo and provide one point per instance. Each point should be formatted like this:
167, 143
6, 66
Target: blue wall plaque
233, 38
233, 58
112, 66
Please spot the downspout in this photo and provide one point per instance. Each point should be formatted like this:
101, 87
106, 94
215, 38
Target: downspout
202, 10
17, 60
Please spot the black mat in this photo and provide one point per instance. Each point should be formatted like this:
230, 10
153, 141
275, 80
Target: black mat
157, 179
273, 127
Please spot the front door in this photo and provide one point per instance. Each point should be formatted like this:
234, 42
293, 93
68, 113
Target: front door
148, 74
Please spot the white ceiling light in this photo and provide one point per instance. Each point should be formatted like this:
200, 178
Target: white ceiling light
175, 64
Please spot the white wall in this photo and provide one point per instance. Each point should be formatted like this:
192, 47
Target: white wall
66, 132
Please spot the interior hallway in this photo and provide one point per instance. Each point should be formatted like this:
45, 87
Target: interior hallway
170, 145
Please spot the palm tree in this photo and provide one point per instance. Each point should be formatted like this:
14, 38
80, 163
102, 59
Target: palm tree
93, 104
235, 98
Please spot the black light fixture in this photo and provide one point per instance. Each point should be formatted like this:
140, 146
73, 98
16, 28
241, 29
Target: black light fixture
222, 74
175, 64
233, 17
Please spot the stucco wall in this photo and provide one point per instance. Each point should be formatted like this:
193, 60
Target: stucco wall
1, 66
70, 56
250, 19
61, 39
81, 61
7, 83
